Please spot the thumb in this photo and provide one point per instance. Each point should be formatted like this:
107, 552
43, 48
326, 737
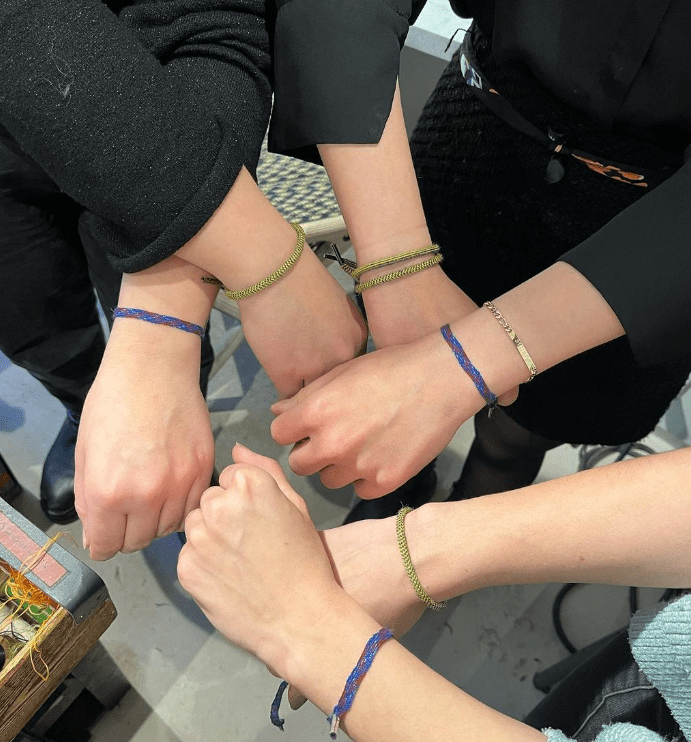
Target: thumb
243, 455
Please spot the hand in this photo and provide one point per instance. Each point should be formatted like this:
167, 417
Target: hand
302, 326
145, 449
254, 561
377, 420
408, 309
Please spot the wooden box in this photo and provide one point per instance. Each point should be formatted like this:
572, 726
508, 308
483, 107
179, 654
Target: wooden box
82, 610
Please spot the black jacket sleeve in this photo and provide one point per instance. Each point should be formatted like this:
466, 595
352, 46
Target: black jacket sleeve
146, 118
335, 69
641, 264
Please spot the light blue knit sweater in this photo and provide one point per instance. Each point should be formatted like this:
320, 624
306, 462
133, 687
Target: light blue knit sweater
661, 644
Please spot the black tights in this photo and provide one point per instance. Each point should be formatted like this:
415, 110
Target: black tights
504, 456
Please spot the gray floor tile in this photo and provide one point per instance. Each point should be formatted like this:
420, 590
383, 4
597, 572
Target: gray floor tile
133, 720
226, 694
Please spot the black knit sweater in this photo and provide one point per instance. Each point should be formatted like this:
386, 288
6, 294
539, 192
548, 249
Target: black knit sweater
144, 118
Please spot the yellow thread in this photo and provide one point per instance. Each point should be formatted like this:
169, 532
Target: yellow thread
408, 563
532, 368
357, 272
408, 270
26, 595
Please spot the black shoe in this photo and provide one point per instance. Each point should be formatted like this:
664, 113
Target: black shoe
57, 482
415, 492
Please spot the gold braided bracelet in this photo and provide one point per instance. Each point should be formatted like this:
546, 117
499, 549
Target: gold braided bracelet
408, 564
357, 272
515, 339
272, 277
360, 287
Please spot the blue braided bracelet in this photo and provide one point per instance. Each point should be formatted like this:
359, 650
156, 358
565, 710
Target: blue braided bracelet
159, 319
276, 705
356, 676
467, 365
351, 686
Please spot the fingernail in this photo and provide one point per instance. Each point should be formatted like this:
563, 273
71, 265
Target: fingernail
84, 541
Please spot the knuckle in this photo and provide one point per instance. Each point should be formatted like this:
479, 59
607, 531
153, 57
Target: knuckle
386, 480
185, 569
313, 412
113, 500
216, 509
149, 497
246, 478
194, 525
209, 494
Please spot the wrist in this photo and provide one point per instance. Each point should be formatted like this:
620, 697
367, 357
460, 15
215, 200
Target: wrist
451, 387
453, 548
490, 350
385, 241
317, 654
432, 532
136, 341
172, 287
307, 270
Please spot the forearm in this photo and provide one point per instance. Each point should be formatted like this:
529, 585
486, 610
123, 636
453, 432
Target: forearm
625, 524
377, 191
378, 195
557, 314
400, 697
173, 287
244, 240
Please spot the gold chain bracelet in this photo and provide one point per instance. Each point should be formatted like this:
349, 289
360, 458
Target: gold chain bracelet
532, 368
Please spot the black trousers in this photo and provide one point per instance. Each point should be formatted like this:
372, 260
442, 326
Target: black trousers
50, 265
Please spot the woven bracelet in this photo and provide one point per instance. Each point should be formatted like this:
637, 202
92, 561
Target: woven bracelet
408, 562
255, 288
383, 262
532, 368
408, 270
158, 319
351, 687
467, 365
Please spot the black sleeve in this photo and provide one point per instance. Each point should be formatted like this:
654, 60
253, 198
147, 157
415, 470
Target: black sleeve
145, 119
335, 69
641, 264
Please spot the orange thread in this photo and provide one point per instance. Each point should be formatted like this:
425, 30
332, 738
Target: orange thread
27, 596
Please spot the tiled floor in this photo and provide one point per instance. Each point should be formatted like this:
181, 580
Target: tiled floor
189, 684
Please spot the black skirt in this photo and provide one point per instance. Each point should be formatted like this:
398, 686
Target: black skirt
499, 223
